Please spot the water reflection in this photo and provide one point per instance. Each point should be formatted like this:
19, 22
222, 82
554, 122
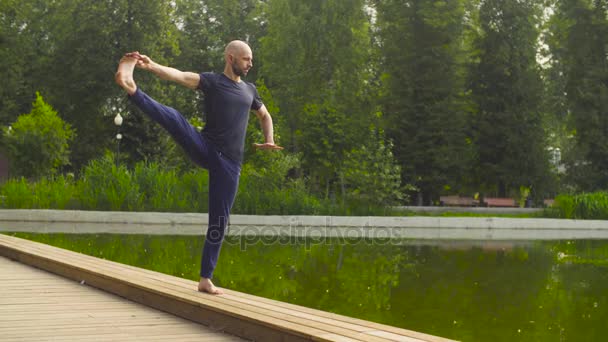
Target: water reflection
470, 291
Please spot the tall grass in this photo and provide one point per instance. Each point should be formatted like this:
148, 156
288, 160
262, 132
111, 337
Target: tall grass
107, 186
58, 192
17, 194
104, 185
160, 189
582, 206
263, 190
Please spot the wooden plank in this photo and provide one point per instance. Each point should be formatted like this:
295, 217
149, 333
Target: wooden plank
210, 317
129, 325
293, 308
224, 296
357, 329
297, 328
237, 305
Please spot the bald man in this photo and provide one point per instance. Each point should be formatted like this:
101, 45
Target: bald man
219, 147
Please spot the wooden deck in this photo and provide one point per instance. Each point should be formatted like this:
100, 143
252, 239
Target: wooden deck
237, 313
39, 306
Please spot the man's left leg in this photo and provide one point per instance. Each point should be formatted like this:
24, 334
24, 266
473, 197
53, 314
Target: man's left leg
223, 184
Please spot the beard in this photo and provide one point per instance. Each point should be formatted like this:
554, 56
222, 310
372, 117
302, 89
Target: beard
238, 71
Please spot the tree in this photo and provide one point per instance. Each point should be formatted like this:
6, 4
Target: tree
423, 96
38, 142
555, 104
507, 90
315, 59
584, 27
371, 174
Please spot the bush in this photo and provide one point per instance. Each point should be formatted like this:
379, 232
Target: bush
371, 174
264, 188
37, 143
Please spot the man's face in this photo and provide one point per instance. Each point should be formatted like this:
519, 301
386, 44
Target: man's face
241, 63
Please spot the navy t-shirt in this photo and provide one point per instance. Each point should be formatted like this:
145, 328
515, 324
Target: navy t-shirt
227, 106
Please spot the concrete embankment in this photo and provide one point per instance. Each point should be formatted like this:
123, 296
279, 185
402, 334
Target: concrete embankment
433, 228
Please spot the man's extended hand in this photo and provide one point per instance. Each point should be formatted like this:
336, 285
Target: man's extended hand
267, 146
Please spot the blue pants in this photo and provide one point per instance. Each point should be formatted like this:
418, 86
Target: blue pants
223, 172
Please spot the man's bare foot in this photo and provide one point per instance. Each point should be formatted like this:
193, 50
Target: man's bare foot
205, 285
124, 74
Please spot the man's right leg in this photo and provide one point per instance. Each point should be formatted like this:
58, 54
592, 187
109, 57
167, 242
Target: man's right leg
170, 119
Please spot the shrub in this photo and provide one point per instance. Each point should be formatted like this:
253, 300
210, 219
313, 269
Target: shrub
371, 174
37, 143
264, 188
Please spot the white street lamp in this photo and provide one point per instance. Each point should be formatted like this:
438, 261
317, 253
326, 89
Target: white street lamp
118, 120
118, 123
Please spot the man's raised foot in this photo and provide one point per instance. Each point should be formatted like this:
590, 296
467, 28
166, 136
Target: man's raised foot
124, 74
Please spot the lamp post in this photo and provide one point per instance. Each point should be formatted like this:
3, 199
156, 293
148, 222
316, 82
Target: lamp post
118, 123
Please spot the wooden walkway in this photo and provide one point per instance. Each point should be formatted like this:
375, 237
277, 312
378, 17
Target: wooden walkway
34, 309
39, 306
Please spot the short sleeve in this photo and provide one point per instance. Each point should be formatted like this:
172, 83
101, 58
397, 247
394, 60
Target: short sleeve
207, 80
257, 100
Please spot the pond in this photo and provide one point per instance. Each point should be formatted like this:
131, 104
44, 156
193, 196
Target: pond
469, 291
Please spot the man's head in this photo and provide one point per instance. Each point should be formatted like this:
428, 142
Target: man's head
239, 57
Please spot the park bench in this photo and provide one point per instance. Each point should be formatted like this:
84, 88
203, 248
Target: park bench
499, 202
457, 201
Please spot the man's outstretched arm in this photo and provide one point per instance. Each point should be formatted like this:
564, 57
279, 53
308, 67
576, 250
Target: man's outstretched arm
184, 78
267, 129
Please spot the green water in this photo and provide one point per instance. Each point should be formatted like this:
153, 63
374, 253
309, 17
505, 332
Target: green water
520, 291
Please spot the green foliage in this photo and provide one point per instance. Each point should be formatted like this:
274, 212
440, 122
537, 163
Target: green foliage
159, 187
194, 187
264, 188
455, 85
106, 186
423, 96
370, 173
506, 86
37, 143
57, 192
586, 206
17, 194
325, 94
582, 27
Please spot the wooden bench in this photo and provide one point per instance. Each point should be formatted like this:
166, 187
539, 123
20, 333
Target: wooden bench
457, 201
499, 202
248, 316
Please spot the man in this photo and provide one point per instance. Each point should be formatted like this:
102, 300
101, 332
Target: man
219, 147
